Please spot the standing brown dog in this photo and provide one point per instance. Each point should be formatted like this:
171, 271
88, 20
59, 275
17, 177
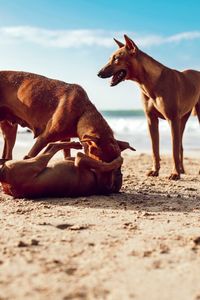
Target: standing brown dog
166, 94
54, 111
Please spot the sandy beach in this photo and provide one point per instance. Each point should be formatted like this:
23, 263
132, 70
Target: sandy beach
143, 243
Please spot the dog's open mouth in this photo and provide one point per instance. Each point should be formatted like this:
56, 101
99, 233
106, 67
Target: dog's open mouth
118, 77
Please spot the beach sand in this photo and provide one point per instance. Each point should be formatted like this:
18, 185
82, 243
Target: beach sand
143, 243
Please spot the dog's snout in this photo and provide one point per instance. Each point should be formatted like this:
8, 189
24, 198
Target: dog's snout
104, 73
99, 74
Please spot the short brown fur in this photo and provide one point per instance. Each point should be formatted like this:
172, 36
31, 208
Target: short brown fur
54, 111
166, 93
79, 176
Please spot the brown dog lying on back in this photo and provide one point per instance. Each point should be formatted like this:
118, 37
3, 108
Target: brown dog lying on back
54, 111
80, 176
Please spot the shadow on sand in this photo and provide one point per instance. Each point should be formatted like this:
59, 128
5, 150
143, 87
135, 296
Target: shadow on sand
134, 200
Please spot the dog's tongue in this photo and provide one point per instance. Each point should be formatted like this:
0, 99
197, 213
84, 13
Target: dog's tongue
118, 77
113, 80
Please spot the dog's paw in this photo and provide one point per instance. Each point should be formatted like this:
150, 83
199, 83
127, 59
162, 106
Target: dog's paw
174, 176
182, 170
3, 160
153, 173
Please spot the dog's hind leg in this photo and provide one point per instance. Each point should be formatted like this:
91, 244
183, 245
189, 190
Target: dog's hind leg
32, 167
24, 171
176, 146
197, 108
9, 132
183, 123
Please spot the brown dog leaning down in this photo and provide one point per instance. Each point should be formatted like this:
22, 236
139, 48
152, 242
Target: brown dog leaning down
79, 176
166, 93
55, 111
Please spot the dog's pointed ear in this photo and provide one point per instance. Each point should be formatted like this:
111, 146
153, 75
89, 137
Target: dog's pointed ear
118, 43
125, 145
130, 45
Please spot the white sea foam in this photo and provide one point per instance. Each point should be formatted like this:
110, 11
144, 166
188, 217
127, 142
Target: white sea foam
134, 130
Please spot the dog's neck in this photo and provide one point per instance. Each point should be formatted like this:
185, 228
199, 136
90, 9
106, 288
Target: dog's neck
149, 74
93, 124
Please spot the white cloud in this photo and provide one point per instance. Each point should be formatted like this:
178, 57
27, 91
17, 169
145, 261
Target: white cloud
56, 38
84, 37
153, 40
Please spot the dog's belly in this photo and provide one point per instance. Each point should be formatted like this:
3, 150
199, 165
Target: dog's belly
7, 114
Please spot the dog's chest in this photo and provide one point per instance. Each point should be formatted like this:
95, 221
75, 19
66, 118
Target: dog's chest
147, 92
156, 106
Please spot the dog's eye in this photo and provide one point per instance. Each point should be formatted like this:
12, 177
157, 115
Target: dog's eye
116, 60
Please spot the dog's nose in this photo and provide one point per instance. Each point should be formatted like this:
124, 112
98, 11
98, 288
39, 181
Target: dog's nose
103, 74
99, 74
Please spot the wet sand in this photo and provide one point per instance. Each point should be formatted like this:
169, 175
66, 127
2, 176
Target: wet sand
143, 243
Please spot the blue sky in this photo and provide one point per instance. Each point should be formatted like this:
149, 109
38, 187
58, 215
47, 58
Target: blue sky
72, 40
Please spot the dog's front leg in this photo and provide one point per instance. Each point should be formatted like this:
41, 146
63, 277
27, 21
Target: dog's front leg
154, 134
67, 152
176, 147
40, 143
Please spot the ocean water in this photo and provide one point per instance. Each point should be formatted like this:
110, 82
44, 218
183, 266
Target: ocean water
130, 126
